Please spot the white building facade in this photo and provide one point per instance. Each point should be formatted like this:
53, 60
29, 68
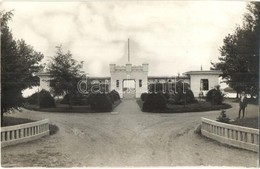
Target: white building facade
137, 76
203, 81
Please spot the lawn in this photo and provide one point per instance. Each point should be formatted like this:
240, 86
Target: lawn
251, 122
11, 121
194, 107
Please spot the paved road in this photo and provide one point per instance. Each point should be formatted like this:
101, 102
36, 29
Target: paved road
126, 137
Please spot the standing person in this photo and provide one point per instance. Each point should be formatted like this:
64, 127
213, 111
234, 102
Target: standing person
242, 103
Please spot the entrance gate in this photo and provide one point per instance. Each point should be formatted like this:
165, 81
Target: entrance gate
129, 90
130, 73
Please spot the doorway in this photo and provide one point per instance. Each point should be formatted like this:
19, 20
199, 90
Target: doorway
129, 88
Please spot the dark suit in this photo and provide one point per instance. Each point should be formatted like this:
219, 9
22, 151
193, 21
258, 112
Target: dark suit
242, 105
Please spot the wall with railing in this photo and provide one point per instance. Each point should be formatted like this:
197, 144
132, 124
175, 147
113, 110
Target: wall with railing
237, 136
11, 135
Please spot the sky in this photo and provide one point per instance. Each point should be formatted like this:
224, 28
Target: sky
172, 36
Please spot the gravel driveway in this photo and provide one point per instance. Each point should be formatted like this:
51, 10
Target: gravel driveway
125, 137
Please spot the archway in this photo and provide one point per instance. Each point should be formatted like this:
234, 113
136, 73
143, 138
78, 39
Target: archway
129, 88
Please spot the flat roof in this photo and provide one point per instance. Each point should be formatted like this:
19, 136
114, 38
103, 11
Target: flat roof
42, 74
204, 72
93, 77
168, 77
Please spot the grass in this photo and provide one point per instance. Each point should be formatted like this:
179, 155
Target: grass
64, 108
251, 122
194, 107
11, 121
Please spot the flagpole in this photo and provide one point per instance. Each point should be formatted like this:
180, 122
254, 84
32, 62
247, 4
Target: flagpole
128, 50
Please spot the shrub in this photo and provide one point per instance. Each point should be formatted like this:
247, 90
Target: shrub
44, 97
111, 96
223, 117
214, 96
143, 96
100, 102
154, 102
115, 95
76, 99
179, 98
33, 99
46, 100
166, 95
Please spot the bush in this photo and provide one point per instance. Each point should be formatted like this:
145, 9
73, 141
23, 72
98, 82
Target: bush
214, 96
223, 117
111, 96
33, 99
179, 98
115, 95
143, 96
166, 95
154, 102
45, 98
76, 99
100, 102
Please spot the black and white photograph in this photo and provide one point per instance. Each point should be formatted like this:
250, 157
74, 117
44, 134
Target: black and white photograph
129, 83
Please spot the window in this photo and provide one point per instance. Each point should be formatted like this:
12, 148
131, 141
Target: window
204, 84
140, 83
117, 83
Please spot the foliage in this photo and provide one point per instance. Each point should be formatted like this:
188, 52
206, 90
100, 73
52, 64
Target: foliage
115, 95
42, 98
154, 101
46, 100
111, 97
79, 99
223, 117
33, 99
239, 58
18, 63
100, 102
65, 74
143, 96
76, 99
214, 96
180, 97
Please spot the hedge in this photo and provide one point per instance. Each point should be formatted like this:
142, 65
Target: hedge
143, 96
154, 101
115, 95
101, 102
76, 99
45, 98
181, 98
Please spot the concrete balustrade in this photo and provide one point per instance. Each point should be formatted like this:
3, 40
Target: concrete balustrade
11, 135
237, 136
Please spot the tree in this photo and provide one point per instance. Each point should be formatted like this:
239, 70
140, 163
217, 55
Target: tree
239, 58
65, 74
18, 63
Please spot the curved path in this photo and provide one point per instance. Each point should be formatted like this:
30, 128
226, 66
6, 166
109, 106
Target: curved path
126, 137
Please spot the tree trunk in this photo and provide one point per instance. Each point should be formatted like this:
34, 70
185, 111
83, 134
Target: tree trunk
2, 115
237, 95
70, 101
2, 119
